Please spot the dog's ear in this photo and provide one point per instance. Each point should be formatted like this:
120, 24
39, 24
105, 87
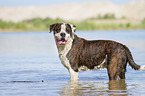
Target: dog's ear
73, 27
51, 27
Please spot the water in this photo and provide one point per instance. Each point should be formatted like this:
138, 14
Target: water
29, 66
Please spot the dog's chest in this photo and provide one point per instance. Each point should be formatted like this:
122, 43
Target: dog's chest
62, 54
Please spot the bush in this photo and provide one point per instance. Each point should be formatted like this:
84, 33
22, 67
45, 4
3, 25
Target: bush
128, 25
109, 16
106, 16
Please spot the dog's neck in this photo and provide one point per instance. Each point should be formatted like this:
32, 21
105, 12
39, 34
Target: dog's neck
63, 49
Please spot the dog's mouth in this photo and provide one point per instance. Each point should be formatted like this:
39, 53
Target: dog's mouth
61, 42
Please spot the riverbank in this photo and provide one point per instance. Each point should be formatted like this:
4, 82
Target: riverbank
39, 24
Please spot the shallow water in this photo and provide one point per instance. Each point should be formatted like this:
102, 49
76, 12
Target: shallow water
29, 66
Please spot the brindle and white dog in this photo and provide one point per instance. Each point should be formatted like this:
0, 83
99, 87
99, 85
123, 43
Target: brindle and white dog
78, 54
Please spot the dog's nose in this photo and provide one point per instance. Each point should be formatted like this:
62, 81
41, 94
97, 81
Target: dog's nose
62, 34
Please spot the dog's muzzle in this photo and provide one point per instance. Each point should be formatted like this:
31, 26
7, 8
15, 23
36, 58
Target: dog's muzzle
62, 41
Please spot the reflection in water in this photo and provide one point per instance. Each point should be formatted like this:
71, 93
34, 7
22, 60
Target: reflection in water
70, 89
85, 88
117, 87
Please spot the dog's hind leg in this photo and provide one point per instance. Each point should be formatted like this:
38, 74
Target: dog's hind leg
112, 68
122, 70
116, 65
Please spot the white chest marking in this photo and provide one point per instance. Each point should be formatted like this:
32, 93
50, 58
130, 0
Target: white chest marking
62, 55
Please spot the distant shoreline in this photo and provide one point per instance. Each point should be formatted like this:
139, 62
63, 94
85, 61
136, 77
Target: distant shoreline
11, 31
107, 23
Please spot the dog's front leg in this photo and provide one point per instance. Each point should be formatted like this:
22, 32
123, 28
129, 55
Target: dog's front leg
73, 75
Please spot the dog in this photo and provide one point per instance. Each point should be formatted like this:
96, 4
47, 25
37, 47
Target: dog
78, 54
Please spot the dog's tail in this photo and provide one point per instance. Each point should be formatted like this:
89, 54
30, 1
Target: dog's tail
131, 61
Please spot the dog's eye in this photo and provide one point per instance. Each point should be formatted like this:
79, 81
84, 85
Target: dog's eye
67, 30
58, 30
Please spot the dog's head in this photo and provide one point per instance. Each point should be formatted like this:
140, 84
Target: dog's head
62, 32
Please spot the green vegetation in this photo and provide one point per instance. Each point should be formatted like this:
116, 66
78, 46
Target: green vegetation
106, 16
36, 24
11, 25
39, 24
